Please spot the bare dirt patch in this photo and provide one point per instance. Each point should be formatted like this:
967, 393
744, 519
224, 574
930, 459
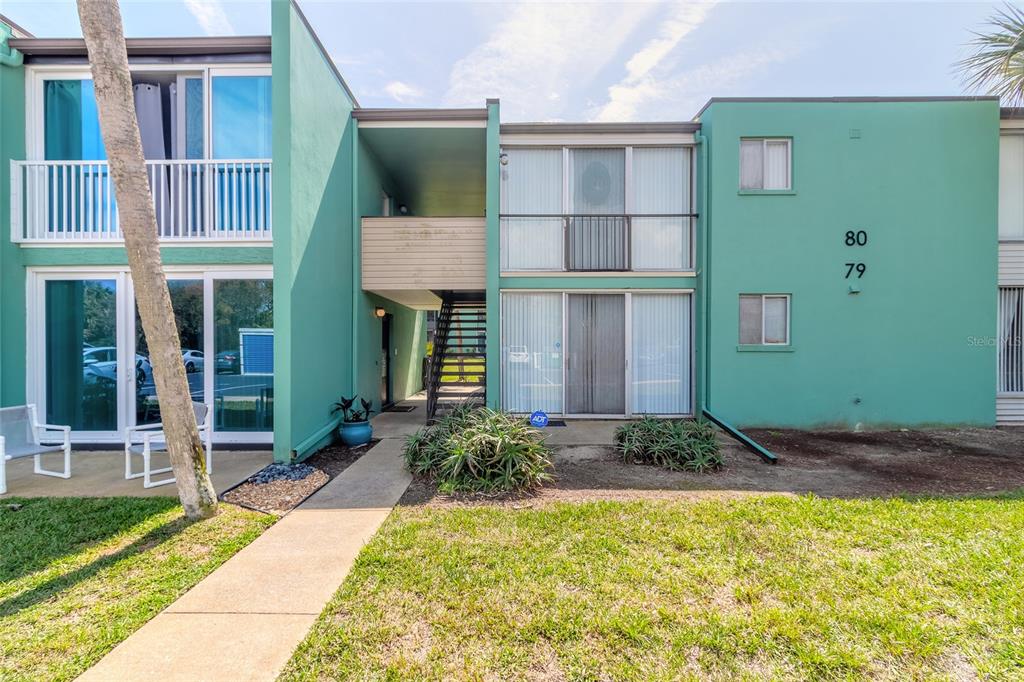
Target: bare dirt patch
826, 463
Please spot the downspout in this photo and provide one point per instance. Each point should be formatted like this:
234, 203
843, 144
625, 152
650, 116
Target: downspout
705, 248
8, 55
705, 215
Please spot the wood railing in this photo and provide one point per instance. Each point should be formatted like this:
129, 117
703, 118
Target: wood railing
195, 200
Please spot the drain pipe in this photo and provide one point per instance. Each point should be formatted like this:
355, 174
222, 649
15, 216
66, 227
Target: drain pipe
8, 55
705, 281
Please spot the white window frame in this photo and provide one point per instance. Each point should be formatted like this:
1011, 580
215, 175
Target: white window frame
764, 163
789, 317
35, 134
35, 374
567, 208
628, 349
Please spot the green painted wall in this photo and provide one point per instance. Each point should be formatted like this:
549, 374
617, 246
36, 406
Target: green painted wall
313, 150
922, 180
408, 328
493, 364
12, 273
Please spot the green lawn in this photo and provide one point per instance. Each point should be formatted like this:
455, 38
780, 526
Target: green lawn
78, 575
757, 588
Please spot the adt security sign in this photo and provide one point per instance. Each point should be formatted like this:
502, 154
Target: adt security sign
539, 419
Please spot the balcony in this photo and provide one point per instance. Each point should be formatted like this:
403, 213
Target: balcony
597, 243
196, 201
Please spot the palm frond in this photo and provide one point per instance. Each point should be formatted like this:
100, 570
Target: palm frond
996, 65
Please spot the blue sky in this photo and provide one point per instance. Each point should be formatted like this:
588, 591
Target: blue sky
587, 60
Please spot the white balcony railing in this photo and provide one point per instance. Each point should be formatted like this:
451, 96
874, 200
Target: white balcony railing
195, 200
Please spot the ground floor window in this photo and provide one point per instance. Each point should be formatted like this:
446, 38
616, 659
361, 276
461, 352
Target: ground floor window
89, 360
764, 319
1010, 360
596, 353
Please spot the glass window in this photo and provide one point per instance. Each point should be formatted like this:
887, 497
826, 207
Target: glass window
71, 121
1011, 186
661, 353
598, 181
531, 207
194, 118
241, 117
187, 301
81, 354
244, 355
764, 319
661, 185
765, 164
531, 352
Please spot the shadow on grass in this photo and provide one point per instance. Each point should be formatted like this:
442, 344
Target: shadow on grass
43, 530
59, 583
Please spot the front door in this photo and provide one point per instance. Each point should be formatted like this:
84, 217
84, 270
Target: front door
596, 371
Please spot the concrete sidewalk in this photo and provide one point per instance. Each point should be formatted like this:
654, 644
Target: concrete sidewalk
244, 620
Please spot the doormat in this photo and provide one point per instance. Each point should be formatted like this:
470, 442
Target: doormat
400, 408
556, 422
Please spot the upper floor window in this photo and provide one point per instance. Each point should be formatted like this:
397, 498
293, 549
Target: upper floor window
765, 163
241, 117
596, 208
764, 319
219, 114
1011, 187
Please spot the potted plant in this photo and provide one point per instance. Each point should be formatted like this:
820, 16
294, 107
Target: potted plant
355, 426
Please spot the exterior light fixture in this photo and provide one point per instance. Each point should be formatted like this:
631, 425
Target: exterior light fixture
379, 312
403, 209
503, 159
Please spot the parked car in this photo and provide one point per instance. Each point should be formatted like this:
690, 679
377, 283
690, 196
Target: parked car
102, 362
518, 354
193, 360
228, 362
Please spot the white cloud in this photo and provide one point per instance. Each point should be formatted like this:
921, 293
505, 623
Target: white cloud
679, 96
641, 83
402, 92
538, 49
211, 17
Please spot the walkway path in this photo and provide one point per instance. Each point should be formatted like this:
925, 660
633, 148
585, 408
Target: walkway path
243, 621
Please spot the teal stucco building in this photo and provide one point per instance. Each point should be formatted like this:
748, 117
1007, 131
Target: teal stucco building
780, 262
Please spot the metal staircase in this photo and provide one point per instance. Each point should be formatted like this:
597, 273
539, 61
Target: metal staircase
457, 372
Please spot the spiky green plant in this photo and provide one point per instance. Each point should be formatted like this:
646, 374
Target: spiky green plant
481, 450
670, 443
996, 64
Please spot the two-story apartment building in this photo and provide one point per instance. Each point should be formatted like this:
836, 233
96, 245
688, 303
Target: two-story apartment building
791, 262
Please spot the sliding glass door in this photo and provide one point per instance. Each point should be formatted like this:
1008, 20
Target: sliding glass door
596, 354
81, 354
89, 363
624, 353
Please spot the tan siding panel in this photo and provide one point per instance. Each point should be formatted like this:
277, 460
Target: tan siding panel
1011, 263
406, 253
1010, 410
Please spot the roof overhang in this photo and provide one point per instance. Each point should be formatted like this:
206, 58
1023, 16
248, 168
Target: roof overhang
598, 133
148, 47
421, 118
843, 100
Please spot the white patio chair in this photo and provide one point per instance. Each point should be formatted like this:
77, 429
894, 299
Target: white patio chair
149, 438
21, 435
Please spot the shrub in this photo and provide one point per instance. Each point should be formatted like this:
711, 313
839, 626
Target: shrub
674, 444
480, 450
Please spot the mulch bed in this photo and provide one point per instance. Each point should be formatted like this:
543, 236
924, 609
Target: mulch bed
281, 495
964, 461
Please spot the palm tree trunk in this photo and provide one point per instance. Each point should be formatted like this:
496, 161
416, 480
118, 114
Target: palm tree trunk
104, 39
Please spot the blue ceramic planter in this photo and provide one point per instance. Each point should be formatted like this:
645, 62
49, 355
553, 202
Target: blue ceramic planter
355, 433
